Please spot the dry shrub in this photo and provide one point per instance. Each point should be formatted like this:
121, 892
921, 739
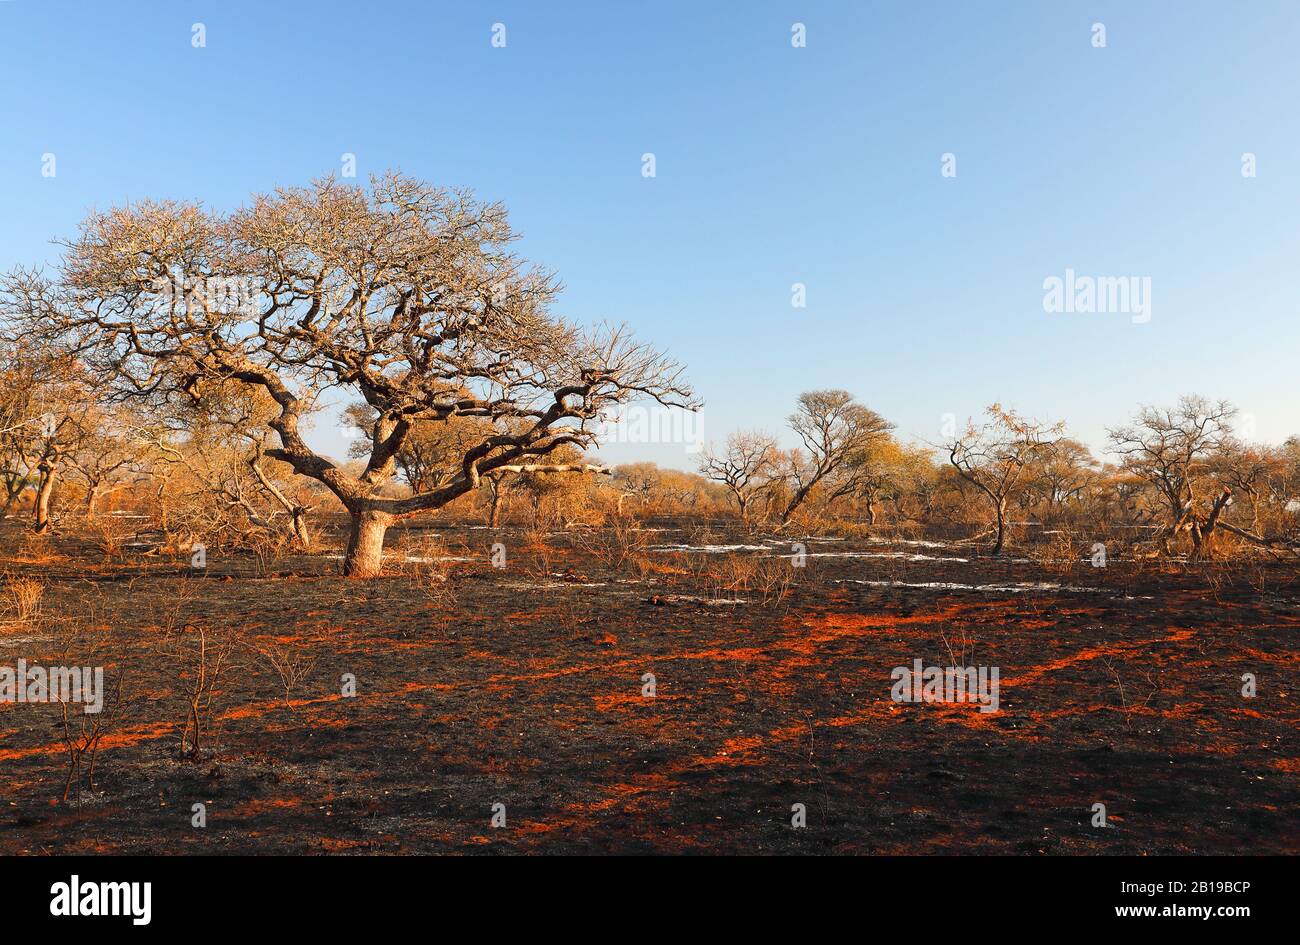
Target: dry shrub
733, 573
290, 663
267, 549
769, 577
426, 566
847, 529
644, 566
80, 641
619, 544
1059, 555
202, 658
773, 578
542, 556
700, 535
36, 548
83, 733
22, 601
110, 534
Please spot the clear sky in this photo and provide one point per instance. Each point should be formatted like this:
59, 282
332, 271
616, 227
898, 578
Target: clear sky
775, 165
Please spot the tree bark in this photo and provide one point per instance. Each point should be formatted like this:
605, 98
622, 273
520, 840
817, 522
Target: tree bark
300, 529
364, 557
92, 493
43, 493
297, 513
495, 489
1001, 526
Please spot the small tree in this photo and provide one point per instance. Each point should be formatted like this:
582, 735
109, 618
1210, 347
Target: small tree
1065, 471
109, 457
747, 468
994, 459
881, 471
833, 427
47, 411
1173, 450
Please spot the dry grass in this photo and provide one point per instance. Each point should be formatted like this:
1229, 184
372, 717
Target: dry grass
619, 545
22, 602
1059, 555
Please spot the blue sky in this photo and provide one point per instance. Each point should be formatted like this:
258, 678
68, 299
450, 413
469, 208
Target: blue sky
775, 165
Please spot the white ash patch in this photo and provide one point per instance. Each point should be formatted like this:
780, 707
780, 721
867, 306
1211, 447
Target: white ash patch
662, 599
897, 555
711, 549
19, 641
913, 542
1025, 587
547, 585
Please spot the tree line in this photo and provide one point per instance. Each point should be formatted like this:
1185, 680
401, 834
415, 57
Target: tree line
177, 355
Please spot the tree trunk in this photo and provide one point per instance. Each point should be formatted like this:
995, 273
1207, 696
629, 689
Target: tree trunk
1001, 526
43, 492
795, 501
494, 518
1203, 532
300, 530
92, 493
364, 557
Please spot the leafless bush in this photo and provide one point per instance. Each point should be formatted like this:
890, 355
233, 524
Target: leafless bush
426, 565
83, 733
267, 549
36, 548
543, 554
291, 664
22, 601
617, 545
80, 642
961, 638
773, 579
1058, 555
110, 534
726, 576
702, 535
201, 658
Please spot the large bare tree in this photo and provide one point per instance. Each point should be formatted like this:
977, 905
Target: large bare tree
404, 294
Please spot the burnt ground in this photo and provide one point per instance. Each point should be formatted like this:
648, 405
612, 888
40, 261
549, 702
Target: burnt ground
523, 686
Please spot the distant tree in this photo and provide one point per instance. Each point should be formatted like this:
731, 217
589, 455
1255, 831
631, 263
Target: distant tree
1063, 473
1252, 471
46, 412
218, 435
880, 472
995, 458
109, 456
1173, 449
918, 483
833, 427
747, 467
